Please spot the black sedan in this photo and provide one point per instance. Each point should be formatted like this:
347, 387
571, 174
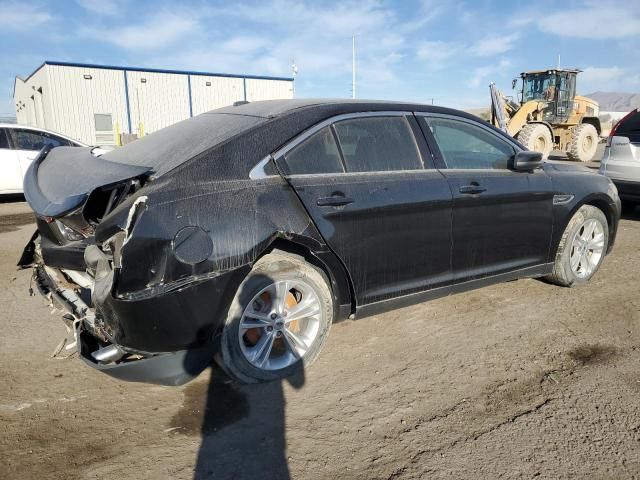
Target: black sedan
243, 233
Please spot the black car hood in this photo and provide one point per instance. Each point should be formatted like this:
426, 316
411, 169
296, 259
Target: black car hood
60, 180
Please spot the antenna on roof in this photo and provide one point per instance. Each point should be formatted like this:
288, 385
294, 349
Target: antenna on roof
558, 61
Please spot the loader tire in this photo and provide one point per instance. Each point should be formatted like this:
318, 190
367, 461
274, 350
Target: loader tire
536, 137
584, 143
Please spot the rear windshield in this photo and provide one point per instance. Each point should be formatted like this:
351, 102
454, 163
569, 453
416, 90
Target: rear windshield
167, 148
630, 127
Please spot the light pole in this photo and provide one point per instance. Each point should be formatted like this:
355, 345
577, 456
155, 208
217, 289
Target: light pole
353, 67
294, 72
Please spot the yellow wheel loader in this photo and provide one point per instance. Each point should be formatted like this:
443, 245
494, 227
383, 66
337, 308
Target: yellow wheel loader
549, 115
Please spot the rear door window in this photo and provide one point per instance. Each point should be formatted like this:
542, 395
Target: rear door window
56, 141
28, 140
4, 140
378, 144
467, 146
315, 155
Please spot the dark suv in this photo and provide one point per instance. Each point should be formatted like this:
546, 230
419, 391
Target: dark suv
243, 233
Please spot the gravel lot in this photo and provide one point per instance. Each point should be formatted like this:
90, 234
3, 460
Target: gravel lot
517, 380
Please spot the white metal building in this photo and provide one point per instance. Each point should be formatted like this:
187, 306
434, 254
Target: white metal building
97, 103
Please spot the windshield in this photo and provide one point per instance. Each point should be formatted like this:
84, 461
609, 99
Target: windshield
539, 86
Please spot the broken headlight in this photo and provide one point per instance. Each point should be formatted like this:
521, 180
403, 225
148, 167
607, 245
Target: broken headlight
69, 233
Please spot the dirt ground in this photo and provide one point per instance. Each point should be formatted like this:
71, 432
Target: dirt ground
518, 380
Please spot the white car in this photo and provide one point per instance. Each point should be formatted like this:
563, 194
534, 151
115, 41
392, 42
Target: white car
19, 145
621, 159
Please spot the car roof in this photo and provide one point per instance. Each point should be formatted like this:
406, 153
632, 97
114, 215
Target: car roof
239, 136
43, 130
276, 108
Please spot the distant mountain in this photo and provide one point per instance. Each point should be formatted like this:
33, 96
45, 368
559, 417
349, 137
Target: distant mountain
616, 101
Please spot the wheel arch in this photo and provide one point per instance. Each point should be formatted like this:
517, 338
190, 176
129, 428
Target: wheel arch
595, 121
599, 202
340, 282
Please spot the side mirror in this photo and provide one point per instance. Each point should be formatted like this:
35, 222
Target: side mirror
514, 82
527, 161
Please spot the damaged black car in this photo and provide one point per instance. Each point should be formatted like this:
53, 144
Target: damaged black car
243, 233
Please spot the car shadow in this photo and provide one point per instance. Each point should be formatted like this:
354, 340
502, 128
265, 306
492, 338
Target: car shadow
632, 214
12, 198
242, 426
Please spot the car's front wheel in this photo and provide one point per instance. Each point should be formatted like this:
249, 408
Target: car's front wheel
582, 247
278, 321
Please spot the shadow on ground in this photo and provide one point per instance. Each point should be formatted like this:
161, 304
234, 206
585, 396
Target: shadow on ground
242, 427
632, 214
12, 198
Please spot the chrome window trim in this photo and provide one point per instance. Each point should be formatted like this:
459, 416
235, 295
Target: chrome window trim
343, 174
257, 172
447, 116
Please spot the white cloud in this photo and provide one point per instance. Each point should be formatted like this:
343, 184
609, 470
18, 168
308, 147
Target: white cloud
436, 53
608, 79
161, 30
317, 37
485, 73
105, 7
20, 17
594, 21
494, 45
428, 11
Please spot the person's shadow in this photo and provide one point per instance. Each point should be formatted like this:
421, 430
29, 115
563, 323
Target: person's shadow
242, 426
243, 430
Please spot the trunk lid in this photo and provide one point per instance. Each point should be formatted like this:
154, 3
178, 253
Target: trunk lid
60, 180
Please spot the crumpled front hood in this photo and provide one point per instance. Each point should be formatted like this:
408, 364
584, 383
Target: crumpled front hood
60, 180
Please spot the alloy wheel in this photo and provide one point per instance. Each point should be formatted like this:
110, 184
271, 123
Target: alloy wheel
280, 324
587, 248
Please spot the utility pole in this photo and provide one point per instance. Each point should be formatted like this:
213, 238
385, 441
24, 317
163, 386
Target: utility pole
353, 67
294, 72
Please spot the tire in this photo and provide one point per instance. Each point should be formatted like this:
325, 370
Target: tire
281, 357
564, 273
536, 137
584, 143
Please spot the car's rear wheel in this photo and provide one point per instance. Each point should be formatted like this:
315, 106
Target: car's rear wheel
582, 247
278, 321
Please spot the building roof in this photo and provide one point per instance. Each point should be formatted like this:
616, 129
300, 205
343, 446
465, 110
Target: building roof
151, 70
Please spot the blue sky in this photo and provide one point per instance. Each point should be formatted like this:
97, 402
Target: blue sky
412, 50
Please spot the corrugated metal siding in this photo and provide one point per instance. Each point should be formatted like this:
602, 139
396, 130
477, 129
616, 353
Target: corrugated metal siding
34, 111
69, 101
268, 89
75, 100
159, 102
222, 92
